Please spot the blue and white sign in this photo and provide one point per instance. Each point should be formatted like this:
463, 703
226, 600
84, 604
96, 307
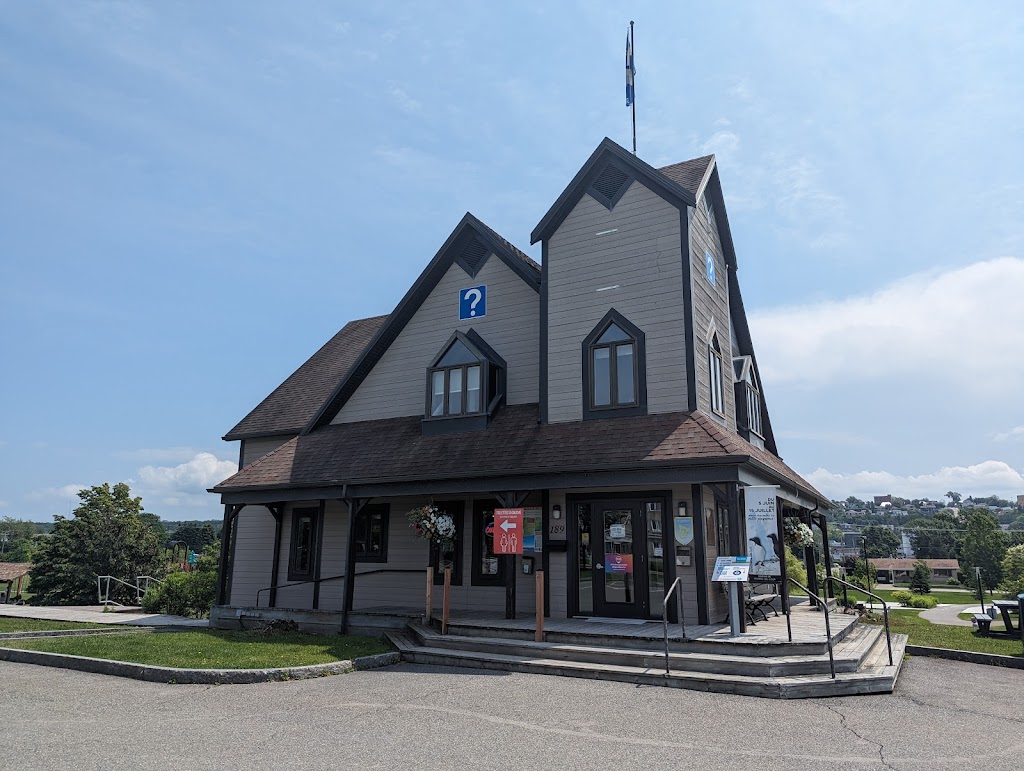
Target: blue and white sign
709, 266
473, 302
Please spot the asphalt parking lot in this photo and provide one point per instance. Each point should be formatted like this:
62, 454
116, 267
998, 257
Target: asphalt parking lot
944, 715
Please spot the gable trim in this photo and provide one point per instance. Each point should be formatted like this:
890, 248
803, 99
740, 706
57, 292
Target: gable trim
445, 258
580, 185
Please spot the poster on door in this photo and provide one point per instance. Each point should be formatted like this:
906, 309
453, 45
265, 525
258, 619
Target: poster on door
764, 544
618, 563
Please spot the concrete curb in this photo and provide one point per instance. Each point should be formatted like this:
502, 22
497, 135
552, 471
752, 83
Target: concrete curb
73, 633
194, 676
990, 659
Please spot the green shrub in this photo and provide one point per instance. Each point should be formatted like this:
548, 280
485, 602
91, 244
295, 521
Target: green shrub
183, 594
903, 597
952, 581
923, 601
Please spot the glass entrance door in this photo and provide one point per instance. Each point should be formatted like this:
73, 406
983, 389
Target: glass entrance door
618, 538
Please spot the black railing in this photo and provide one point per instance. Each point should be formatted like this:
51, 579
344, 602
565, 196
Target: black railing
885, 607
677, 588
828, 625
318, 581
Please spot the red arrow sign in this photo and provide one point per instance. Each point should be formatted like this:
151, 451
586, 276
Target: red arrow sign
508, 531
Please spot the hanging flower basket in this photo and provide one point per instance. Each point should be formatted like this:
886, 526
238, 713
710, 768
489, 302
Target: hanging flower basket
797, 534
436, 526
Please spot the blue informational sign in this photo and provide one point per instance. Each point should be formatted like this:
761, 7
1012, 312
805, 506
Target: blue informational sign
473, 302
709, 265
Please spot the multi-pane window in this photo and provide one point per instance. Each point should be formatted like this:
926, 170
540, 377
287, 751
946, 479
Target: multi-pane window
715, 376
613, 375
456, 383
371, 533
488, 567
753, 404
302, 554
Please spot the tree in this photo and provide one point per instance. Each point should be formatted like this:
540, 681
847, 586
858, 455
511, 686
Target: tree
835, 533
983, 547
197, 536
921, 579
107, 535
881, 541
954, 497
937, 538
1013, 572
16, 539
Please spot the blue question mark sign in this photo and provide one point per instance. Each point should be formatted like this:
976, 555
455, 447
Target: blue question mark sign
473, 302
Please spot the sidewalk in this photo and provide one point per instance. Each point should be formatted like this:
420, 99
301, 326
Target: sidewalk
949, 614
95, 614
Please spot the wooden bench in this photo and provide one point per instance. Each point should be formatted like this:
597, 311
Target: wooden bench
983, 622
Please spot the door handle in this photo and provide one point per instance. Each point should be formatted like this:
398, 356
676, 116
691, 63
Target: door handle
598, 566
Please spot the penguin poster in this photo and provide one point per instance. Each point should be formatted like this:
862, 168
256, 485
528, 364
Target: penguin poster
764, 543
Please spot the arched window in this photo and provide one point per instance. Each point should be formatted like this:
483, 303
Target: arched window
614, 371
465, 381
715, 375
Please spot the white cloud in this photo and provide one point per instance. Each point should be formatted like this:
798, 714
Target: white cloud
68, 492
963, 325
405, 102
189, 478
723, 144
990, 477
1016, 433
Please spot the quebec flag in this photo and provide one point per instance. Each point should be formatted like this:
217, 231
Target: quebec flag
630, 72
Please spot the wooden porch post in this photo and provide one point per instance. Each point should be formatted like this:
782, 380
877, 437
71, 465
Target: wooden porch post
354, 505
737, 538
511, 500
230, 513
826, 555
700, 565
277, 510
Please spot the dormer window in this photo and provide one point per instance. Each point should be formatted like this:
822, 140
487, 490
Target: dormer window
465, 385
614, 370
748, 396
715, 375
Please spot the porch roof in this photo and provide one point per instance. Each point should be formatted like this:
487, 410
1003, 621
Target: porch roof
515, 444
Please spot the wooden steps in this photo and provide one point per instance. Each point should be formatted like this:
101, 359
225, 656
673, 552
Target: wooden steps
861, 662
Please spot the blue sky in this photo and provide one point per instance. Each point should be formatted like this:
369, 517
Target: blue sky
196, 196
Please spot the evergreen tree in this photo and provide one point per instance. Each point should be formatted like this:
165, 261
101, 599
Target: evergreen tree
921, 579
108, 534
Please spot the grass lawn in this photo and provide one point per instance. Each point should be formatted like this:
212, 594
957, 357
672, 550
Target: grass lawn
943, 597
209, 649
961, 638
11, 624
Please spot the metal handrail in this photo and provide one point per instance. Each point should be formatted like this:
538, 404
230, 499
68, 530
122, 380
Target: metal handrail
885, 608
332, 578
139, 590
104, 597
677, 584
828, 626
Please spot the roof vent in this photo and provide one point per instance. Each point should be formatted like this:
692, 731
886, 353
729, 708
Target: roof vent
609, 184
471, 255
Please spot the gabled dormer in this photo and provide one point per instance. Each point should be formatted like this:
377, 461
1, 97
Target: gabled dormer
462, 342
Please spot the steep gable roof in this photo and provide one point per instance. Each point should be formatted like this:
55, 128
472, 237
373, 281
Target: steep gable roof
468, 246
290, 406
608, 151
689, 174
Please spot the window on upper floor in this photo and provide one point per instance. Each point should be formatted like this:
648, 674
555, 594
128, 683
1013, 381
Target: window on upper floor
614, 371
465, 384
715, 379
753, 403
748, 396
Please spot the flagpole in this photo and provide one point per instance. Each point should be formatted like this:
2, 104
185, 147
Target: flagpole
632, 45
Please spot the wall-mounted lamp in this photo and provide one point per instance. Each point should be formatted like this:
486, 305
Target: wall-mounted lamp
556, 512
682, 508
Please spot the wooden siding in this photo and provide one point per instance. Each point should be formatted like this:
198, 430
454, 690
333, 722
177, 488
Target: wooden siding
643, 260
253, 449
396, 386
710, 302
253, 555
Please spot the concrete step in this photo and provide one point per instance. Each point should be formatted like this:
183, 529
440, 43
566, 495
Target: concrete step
842, 625
848, 654
873, 676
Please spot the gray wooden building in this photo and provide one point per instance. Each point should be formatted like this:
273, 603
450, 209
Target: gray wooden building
608, 391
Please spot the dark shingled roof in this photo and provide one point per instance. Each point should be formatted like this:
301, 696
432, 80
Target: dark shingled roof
510, 246
396, 450
296, 400
688, 174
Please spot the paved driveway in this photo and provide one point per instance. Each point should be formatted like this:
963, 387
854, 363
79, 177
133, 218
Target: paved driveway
944, 715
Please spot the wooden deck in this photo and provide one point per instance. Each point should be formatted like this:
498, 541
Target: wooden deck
808, 626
